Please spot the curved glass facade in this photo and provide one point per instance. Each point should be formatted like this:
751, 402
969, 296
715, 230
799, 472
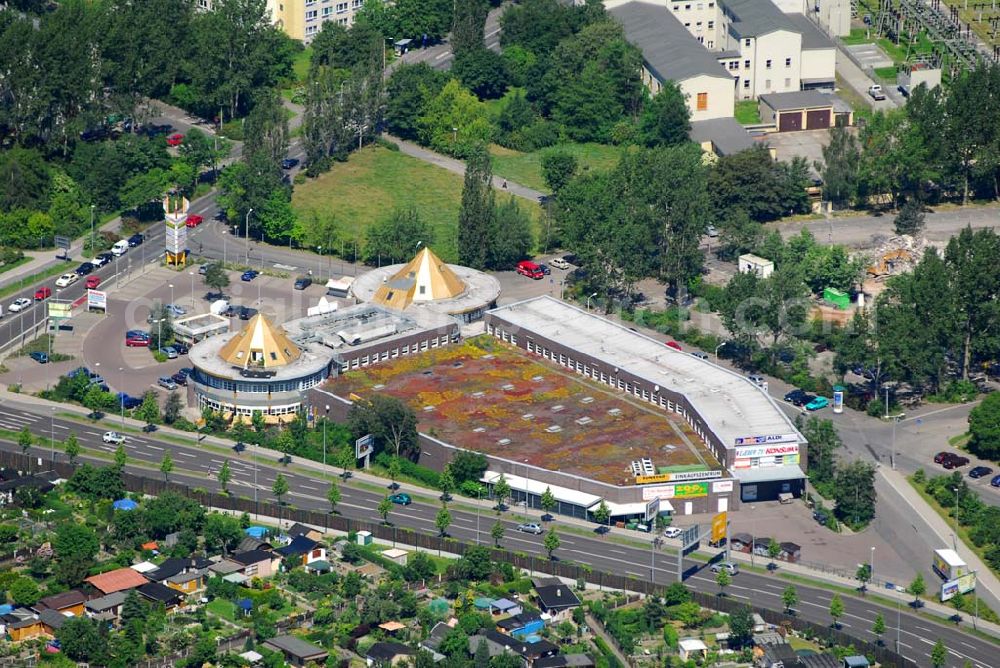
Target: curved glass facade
260, 385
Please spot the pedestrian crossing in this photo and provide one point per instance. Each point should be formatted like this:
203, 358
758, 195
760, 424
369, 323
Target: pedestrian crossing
16, 422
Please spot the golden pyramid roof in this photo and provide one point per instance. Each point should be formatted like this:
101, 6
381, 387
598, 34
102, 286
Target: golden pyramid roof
424, 278
260, 345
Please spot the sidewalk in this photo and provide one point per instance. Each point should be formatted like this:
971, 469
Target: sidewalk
458, 167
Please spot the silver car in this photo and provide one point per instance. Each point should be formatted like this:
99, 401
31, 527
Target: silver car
166, 383
729, 566
530, 528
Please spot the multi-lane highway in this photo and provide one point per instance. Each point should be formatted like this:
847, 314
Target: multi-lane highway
198, 466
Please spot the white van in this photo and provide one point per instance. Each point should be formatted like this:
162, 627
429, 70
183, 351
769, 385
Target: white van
120, 247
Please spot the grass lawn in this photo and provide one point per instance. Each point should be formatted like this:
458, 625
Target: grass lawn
959, 440
12, 265
747, 112
19, 285
526, 168
857, 36
886, 74
300, 66
222, 608
374, 182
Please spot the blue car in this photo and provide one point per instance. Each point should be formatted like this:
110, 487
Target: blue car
249, 275
128, 402
817, 403
40, 357
995, 481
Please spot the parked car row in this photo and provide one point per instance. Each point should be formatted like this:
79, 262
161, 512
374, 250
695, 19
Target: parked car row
950, 460
803, 399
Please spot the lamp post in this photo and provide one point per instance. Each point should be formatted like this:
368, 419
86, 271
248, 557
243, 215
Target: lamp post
954, 536
588, 300
319, 264
121, 394
191, 274
52, 436
246, 233
92, 207
171, 286
717, 349
753, 533
325, 418
454, 135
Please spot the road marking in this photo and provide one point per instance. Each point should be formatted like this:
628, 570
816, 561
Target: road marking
152, 447
493, 33
186, 454
442, 55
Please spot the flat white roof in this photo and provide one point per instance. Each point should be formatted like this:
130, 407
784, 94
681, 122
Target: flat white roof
950, 557
731, 406
769, 474
636, 508
691, 645
517, 482
144, 567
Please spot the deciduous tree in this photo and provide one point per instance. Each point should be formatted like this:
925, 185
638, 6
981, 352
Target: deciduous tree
477, 213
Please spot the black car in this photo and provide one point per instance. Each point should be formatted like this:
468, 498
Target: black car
302, 282
180, 378
797, 397
239, 447
135, 240
980, 471
820, 517
289, 163
104, 258
545, 268
152, 130
181, 348
246, 312
187, 371
85, 269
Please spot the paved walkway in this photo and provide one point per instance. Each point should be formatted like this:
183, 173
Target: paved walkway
457, 166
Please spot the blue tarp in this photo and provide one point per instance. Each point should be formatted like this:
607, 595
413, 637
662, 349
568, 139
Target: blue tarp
244, 604
125, 504
256, 532
6, 609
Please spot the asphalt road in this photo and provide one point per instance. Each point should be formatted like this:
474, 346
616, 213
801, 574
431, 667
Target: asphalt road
198, 467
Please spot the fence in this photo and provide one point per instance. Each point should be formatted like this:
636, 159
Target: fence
529, 562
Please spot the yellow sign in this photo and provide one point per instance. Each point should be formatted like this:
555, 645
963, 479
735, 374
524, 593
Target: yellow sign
719, 527
690, 490
646, 479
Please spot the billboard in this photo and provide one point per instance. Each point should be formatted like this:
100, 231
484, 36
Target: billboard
97, 299
677, 477
719, 523
364, 446
60, 308
652, 509
749, 452
690, 539
766, 440
722, 487
961, 585
687, 490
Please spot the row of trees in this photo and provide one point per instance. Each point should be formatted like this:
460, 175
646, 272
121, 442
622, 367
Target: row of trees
942, 144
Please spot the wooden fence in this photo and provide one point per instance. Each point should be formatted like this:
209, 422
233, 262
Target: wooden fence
563, 569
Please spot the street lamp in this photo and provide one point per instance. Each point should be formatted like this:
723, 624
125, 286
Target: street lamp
319, 264
171, 286
454, 134
121, 394
718, 348
954, 536
325, 418
588, 300
52, 436
191, 274
92, 207
871, 567
246, 233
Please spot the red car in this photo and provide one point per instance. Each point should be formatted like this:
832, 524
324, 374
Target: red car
93, 282
42, 293
941, 456
175, 139
194, 220
674, 345
136, 342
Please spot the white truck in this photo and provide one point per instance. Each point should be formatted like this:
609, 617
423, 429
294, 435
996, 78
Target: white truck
949, 565
876, 92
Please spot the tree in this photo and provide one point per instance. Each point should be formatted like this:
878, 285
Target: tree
603, 514
24, 592
216, 277
548, 500
477, 212
25, 439
166, 466
75, 547
510, 238
172, 408
917, 587
863, 575
551, 542
80, 640
384, 508
854, 493
823, 442
741, 625
753, 182
72, 447
442, 521
497, 531
390, 421
467, 466
224, 476
738, 234
395, 468
558, 168
878, 627
666, 119
836, 609
984, 428
222, 531
446, 483
482, 71
149, 410
773, 550
409, 90
120, 457
970, 258
395, 238
280, 487
501, 491
454, 121
333, 496
790, 597
839, 168
910, 219
468, 27
723, 579
939, 654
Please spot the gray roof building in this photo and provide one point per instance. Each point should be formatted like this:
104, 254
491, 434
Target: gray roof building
812, 36
799, 99
668, 49
727, 136
752, 18
297, 652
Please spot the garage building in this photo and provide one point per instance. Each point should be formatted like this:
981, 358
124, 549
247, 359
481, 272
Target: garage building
799, 110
